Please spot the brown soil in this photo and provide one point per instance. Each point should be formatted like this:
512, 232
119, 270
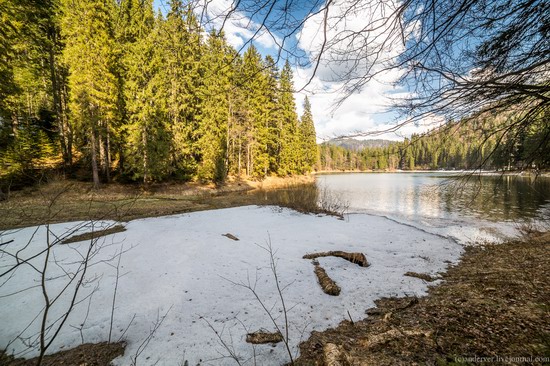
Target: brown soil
327, 284
357, 258
100, 354
94, 234
494, 304
260, 337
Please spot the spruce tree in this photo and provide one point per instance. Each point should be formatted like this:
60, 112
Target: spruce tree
271, 106
148, 137
182, 74
288, 125
254, 82
90, 56
307, 139
213, 128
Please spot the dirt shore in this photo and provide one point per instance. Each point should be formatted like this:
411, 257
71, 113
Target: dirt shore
492, 308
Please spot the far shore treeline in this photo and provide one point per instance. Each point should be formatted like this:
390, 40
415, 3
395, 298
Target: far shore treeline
114, 90
475, 143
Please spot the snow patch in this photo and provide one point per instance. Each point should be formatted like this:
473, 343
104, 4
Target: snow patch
182, 267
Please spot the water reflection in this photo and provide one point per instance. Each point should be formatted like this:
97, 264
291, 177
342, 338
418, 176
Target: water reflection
442, 195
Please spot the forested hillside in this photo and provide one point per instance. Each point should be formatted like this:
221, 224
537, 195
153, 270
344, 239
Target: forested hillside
483, 141
114, 89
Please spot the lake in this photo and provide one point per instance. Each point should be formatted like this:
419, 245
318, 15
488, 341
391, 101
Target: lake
441, 194
465, 208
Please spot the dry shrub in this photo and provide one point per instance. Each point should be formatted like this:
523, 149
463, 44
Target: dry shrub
334, 355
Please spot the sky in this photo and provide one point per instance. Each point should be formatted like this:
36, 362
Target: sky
367, 111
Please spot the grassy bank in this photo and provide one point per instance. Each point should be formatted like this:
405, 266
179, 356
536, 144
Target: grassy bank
492, 308
64, 200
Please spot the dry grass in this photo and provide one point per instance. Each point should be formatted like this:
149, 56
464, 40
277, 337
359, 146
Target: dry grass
495, 303
100, 354
75, 200
261, 337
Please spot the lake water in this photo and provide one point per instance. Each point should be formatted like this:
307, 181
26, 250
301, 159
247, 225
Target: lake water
441, 195
464, 208
467, 209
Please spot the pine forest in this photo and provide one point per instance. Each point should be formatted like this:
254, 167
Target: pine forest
478, 144
116, 90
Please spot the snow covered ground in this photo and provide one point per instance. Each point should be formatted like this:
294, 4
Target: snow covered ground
181, 269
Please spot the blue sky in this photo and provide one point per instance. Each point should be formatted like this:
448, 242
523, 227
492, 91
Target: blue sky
365, 111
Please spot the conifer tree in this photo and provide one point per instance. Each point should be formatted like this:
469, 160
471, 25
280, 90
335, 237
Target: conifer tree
288, 125
213, 129
238, 116
90, 56
255, 85
182, 74
307, 139
272, 110
148, 137
25, 57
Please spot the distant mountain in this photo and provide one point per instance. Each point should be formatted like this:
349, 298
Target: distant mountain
355, 144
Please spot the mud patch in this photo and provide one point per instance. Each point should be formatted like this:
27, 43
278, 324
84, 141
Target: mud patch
357, 258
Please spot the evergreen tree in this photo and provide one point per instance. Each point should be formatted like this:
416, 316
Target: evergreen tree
182, 74
307, 139
147, 132
254, 80
213, 129
288, 125
272, 109
90, 55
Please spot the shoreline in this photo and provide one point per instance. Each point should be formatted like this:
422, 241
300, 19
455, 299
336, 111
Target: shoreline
523, 174
456, 322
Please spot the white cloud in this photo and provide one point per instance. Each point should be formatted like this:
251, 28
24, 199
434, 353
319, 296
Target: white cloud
346, 56
238, 28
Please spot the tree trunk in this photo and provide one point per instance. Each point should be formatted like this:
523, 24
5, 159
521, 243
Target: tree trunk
107, 154
145, 158
101, 151
227, 137
15, 124
248, 159
65, 121
95, 173
240, 154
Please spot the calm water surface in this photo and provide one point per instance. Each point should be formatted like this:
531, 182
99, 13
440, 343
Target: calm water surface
441, 195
